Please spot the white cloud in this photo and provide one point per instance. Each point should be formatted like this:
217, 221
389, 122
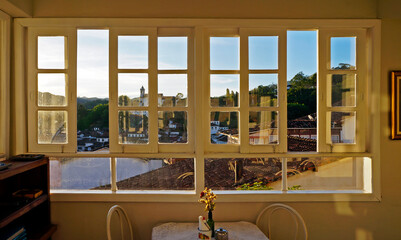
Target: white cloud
220, 82
53, 83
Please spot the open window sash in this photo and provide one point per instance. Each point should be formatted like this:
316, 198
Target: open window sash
328, 112
273, 145
69, 128
243, 109
117, 145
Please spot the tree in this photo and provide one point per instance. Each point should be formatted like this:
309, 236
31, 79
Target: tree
301, 97
123, 100
344, 66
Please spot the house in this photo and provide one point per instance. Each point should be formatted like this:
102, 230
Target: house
340, 217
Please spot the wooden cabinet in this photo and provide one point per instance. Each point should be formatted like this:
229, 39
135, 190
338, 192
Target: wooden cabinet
33, 214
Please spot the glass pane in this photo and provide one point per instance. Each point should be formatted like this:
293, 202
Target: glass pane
263, 90
172, 90
132, 52
243, 174
343, 90
155, 174
343, 52
51, 52
301, 91
51, 89
263, 52
133, 89
133, 127
224, 128
224, 53
172, 52
93, 90
224, 90
343, 127
80, 173
263, 127
173, 127
52, 127
329, 173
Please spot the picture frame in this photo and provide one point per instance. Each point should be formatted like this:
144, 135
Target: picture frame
396, 105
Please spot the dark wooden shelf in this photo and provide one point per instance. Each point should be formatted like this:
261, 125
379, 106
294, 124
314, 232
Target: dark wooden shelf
32, 214
21, 211
20, 167
44, 234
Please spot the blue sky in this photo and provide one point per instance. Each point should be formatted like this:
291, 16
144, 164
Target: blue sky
93, 59
343, 50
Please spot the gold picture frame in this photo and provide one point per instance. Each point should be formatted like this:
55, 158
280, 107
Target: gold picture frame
396, 105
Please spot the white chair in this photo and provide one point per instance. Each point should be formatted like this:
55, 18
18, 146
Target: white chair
120, 212
298, 220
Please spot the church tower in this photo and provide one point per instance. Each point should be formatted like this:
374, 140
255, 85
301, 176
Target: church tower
142, 92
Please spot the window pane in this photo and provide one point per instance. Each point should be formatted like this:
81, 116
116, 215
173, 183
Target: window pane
329, 173
51, 89
172, 52
80, 173
132, 52
51, 52
224, 128
263, 52
263, 127
343, 127
133, 127
133, 89
224, 90
93, 90
243, 174
172, 90
343, 90
52, 127
263, 90
155, 174
301, 91
224, 53
173, 127
343, 52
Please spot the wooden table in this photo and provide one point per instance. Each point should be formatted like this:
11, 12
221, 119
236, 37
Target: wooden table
189, 231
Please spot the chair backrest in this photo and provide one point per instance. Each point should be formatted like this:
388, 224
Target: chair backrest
269, 210
120, 212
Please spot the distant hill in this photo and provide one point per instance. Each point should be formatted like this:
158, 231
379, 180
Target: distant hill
90, 103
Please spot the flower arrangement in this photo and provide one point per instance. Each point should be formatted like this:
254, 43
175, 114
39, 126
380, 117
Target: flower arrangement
208, 197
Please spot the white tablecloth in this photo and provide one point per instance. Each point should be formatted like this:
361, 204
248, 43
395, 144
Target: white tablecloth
189, 231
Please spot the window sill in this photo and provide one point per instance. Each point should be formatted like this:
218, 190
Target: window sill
224, 196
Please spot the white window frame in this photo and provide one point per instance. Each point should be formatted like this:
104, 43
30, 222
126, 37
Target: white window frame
371, 149
70, 70
324, 124
243, 72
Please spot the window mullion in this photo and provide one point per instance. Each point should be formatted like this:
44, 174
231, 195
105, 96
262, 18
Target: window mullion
323, 58
244, 95
113, 174
113, 92
361, 90
71, 59
282, 91
199, 96
153, 93
284, 184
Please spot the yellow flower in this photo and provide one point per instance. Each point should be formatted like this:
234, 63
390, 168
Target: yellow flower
207, 197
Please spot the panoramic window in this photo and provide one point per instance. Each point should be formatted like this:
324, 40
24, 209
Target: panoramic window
247, 109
